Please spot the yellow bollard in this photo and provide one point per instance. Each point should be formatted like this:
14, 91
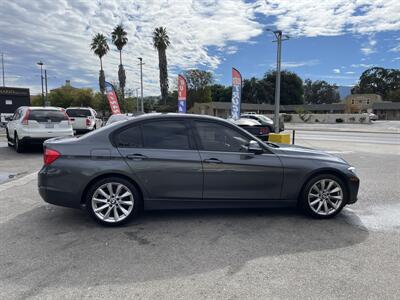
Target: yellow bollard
282, 138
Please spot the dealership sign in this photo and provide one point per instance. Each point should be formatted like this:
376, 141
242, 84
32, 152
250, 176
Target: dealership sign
182, 90
112, 99
236, 94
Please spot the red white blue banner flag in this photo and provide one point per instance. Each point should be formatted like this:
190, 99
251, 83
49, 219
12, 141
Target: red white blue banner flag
182, 91
236, 94
112, 98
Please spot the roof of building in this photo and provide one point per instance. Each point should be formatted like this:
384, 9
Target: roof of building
386, 105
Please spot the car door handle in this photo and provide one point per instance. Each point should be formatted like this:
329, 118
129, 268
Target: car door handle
213, 161
136, 156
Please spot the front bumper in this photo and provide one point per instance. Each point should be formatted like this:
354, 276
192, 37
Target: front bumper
353, 184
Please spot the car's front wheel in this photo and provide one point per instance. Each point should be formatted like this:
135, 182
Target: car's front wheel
113, 201
324, 196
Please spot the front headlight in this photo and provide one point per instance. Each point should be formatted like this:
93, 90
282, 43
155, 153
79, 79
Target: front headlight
352, 169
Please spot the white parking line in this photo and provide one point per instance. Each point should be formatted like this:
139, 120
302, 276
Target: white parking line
18, 182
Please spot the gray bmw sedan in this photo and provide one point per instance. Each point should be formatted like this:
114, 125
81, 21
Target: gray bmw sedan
175, 161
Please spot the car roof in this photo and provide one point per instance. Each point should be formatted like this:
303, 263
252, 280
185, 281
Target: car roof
42, 107
79, 107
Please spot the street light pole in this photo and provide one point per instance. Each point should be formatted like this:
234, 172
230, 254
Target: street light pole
278, 36
141, 82
40, 63
45, 80
2, 67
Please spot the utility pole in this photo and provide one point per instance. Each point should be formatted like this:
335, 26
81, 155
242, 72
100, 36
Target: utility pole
278, 36
40, 63
45, 80
141, 81
2, 67
137, 99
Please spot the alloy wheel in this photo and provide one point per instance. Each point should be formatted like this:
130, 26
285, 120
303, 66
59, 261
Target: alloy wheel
112, 202
325, 197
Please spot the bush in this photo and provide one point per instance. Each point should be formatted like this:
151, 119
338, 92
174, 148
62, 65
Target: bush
339, 120
316, 121
287, 118
362, 119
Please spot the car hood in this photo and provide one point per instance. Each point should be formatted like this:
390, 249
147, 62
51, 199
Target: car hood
304, 152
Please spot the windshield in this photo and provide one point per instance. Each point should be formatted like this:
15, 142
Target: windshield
47, 115
78, 113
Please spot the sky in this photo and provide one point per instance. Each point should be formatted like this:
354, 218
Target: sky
331, 40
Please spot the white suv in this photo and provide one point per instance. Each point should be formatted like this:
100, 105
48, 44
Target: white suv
83, 118
33, 125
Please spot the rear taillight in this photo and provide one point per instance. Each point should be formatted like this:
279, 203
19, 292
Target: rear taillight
67, 117
88, 122
264, 130
26, 117
50, 156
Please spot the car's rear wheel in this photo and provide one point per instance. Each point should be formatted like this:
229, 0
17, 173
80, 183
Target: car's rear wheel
113, 201
324, 196
19, 147
9, 142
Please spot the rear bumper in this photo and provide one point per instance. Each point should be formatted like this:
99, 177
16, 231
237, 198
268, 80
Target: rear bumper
53, 192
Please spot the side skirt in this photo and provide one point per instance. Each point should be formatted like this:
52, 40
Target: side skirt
157, 204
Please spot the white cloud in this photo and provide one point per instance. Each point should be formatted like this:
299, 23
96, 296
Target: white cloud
59, 33
337, 71
350, 72
395, 49
332, 17
292, 64
361, 65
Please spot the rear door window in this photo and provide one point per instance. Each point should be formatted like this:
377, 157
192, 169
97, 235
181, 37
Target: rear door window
44, 116
78, 113
130, 137
166, 135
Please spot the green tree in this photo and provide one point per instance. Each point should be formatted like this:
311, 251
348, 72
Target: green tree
257, 91
319, 92
221, 93
199, 90
394, 95
291, 87
378, 80
100, 48
161, 42
119, 38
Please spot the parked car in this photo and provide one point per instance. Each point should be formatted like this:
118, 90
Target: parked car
264, 120
118, 117
83, 119
254, 127
33, 125
372, 116
175, 161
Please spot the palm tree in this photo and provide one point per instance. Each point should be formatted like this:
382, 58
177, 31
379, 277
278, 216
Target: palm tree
161, 42
100, 48
119, 39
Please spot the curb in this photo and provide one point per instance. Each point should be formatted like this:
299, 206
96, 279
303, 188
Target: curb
342, 130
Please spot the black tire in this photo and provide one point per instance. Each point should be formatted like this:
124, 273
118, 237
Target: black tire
9, 142
305, 205
137, 201
18, 145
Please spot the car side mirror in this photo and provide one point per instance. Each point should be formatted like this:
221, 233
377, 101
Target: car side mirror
254, 147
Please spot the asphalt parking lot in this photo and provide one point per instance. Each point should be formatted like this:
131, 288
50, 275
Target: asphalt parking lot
54, 252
